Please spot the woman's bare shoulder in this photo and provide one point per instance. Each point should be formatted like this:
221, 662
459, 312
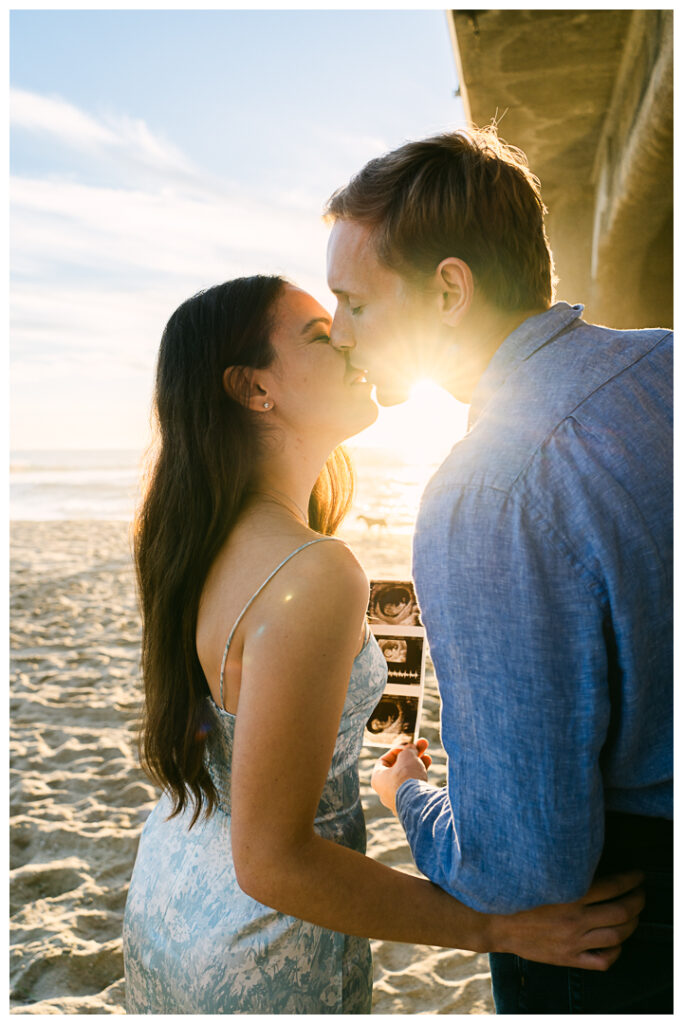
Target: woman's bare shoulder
322, 577
334, 554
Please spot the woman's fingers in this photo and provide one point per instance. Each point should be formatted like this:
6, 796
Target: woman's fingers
616, 912
613, 885
604, 938
598, 959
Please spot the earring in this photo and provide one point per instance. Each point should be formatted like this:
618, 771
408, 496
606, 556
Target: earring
266, 405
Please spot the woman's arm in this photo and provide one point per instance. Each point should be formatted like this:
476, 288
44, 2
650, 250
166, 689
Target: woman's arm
298, 656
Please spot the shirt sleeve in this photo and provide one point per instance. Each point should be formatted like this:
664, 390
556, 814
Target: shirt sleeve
517, 628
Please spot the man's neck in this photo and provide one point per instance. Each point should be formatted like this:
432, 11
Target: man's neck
475, 342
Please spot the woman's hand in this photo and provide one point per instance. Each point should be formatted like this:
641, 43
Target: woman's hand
586, 934
397, 765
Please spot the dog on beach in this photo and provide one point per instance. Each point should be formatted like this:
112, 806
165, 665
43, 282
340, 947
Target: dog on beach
371, 521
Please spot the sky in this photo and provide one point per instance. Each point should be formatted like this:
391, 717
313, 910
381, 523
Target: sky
154, 153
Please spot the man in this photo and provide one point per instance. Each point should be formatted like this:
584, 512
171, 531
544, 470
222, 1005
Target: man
542, 555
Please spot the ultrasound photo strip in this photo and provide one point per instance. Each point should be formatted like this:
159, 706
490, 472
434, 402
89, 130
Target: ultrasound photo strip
395, 621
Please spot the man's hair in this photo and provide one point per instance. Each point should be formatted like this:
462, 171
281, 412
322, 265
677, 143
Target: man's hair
465, 194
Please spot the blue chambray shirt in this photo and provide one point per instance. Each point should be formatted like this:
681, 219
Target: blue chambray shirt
543, 568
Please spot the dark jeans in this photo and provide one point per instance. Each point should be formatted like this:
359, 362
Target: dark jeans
641, 981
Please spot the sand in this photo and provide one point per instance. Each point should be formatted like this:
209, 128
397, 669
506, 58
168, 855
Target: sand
79, 800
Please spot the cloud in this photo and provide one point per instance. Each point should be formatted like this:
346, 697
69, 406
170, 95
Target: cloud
97, 272
54, 116
63, 227
98, 268
99, 261
356, 148
127, 139
177, 220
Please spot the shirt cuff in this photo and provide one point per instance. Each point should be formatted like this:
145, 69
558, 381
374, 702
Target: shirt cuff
410, 794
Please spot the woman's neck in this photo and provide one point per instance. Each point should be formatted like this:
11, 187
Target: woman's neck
288, 480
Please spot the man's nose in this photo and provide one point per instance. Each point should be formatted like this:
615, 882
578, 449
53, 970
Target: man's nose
341, 337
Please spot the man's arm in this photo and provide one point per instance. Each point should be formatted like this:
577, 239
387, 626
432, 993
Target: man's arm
515, 624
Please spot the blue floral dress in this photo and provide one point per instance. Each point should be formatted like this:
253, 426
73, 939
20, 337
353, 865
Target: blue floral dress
193, 942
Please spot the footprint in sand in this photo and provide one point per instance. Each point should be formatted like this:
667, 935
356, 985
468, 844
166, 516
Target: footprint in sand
21, 836
69, 973
132, 795
40, 881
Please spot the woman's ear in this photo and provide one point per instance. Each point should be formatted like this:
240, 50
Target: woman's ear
240, 383
455, 284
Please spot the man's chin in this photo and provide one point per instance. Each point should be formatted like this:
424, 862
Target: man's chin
386, 396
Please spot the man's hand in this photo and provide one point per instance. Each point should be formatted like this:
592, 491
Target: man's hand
397, 765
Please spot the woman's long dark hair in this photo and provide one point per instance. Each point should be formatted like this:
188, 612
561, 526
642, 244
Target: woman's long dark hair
202, 462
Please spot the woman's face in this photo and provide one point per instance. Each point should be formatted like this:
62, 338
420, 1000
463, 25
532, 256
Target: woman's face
312, 386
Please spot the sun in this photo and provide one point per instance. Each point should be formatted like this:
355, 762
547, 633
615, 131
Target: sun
423, 429
425, 391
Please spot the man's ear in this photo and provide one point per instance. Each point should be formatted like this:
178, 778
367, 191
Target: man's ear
241, 384
455, 284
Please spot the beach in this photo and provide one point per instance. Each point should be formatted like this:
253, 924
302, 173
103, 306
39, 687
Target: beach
79, 799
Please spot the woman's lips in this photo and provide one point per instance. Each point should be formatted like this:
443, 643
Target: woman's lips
354, 376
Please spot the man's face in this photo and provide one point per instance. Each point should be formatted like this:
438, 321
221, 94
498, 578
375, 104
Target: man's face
380, 318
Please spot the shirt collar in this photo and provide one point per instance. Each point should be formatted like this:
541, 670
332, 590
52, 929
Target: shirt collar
526, 339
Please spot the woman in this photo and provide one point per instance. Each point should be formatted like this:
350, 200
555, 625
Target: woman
255, 740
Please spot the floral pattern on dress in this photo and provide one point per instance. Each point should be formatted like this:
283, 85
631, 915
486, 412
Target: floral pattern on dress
195, 943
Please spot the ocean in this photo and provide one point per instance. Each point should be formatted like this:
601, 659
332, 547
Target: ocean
105, 485
47, 485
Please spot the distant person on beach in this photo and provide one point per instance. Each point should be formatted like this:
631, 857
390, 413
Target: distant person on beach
251, 892
542, 555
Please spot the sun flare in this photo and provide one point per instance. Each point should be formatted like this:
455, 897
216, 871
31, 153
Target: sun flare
423, 429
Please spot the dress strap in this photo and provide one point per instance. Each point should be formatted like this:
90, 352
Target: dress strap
253, 598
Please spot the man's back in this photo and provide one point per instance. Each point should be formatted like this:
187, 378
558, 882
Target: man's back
543, 564
542, 552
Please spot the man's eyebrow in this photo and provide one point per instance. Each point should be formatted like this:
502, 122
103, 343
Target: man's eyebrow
316, 320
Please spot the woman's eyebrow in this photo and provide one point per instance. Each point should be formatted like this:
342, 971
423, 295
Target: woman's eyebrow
316, 320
